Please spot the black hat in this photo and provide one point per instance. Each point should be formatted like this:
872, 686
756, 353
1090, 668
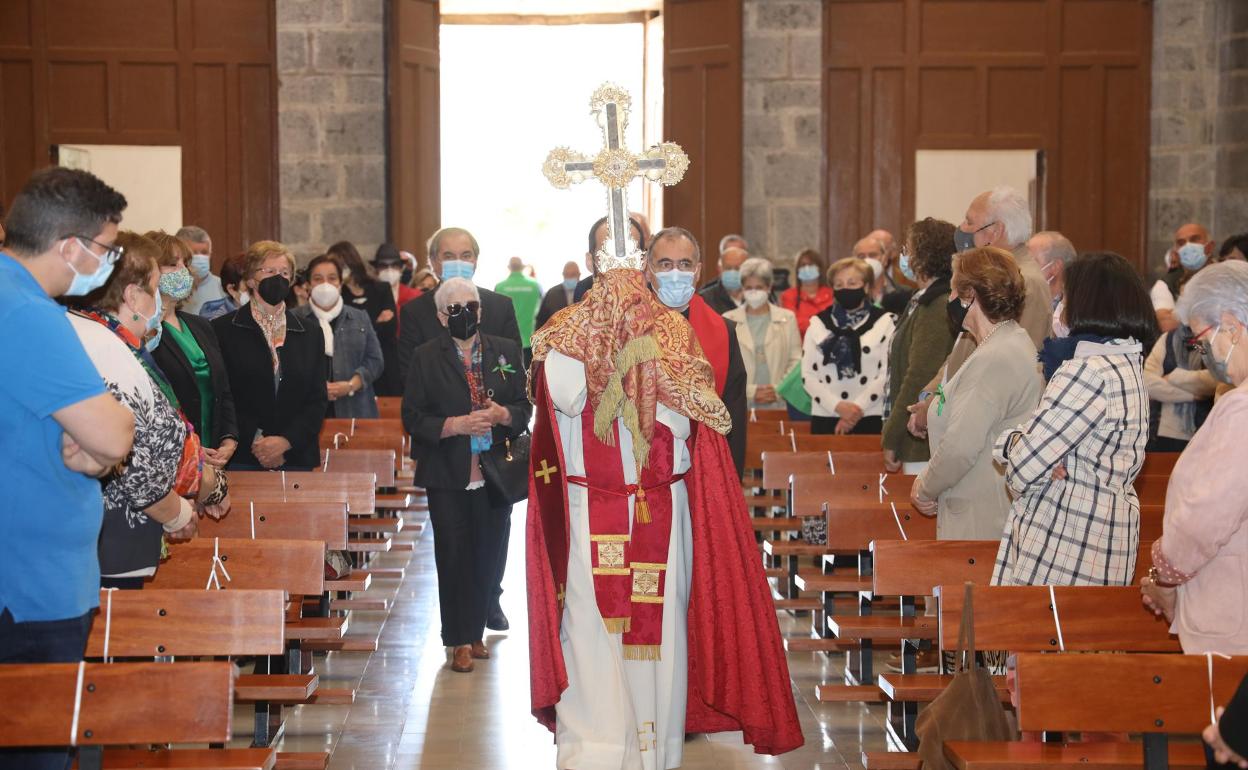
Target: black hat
387, 253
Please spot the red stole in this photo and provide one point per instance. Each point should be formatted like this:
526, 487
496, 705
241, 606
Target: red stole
712, 334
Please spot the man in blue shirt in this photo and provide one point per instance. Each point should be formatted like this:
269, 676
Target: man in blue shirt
60, 429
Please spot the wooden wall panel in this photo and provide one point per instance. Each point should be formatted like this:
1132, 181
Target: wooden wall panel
413, 138
196, 73
702, 83
1068, 77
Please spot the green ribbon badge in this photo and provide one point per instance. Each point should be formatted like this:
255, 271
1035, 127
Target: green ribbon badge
503, 367
940, 404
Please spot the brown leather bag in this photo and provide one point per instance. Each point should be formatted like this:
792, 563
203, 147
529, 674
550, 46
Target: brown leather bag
968, 709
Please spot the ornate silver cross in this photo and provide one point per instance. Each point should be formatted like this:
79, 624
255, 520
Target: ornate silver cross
615, 166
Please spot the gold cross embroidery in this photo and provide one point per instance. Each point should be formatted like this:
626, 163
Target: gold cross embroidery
647, 737
546, 472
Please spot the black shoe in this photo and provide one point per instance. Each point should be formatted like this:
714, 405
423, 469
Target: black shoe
496, 620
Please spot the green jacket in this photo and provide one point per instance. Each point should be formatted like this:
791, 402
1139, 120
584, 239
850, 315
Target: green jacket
920, 345
526, 296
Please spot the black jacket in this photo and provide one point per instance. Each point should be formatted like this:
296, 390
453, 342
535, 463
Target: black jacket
717, 297
556, 299
437, 389
297, 410
419, 323
378, 297
734, 397
177, 369
584, 286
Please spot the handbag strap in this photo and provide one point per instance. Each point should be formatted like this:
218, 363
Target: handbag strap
966, 630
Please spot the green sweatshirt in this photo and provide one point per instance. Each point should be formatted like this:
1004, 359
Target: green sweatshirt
526, 296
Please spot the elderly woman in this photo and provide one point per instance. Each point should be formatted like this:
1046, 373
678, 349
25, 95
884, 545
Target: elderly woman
770, 346
845, 353
352, 354
1201, 560
812, 295
922, 341
190, 358
465, 394
155, 492
1076, 520
276, 363
994, 389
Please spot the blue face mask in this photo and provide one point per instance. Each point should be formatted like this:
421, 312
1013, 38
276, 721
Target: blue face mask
730, 280
808, 273
570, 283
904, 267
675, 288
154, 342
457, 268
1192, 256
201, 265
85, 283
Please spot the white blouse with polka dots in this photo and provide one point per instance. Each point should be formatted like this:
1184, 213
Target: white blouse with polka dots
867, 388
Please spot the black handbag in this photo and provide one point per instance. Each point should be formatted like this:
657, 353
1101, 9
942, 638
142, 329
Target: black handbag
506, 470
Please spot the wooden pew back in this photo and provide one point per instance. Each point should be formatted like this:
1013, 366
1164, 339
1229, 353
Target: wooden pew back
357, 490
1151, 489
390, 407
1122, 693
268, 520
811, 491
294, 566
1020, 619
1159, 463
180, 703
183, 622
379, 462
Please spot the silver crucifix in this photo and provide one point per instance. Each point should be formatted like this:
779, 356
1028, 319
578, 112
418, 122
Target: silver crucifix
615, 167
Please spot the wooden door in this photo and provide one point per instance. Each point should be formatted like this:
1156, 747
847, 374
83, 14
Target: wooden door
702, 107
414, 144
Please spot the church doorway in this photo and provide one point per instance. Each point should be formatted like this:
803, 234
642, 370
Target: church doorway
509, 93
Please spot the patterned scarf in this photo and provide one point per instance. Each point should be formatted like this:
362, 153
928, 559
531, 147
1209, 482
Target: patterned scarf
842, 345
274, 329
637, 353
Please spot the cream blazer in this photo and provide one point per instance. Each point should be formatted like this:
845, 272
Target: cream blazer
782, 347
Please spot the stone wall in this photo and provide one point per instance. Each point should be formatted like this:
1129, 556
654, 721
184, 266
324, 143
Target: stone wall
1230, 132
331, 110
783, 132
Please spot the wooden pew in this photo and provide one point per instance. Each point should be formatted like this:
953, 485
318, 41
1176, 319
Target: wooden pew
357, 490
1154, 695
390, 407
180, 703
270, 520
1159, 463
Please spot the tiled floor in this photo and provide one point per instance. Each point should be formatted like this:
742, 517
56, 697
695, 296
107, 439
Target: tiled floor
411, 711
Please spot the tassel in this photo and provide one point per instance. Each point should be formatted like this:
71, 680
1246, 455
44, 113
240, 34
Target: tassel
641, 508
641, 652
618, 625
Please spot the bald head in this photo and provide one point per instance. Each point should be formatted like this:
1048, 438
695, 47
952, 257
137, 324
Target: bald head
515, 264
732, 258
1190, 233
571, 270
887, 241
869, 248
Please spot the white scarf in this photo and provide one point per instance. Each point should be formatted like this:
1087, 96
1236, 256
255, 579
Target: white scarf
325, 316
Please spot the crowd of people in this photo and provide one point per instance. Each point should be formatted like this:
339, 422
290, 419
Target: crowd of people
1020, 382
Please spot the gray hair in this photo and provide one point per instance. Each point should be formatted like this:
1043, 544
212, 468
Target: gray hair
435, 241
757, 267
1217, 289
723, 242
194, 234
1009, 207
1059, 246
456, 286
670, 233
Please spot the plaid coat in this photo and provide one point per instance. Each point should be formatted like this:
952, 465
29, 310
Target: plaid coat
1093, 420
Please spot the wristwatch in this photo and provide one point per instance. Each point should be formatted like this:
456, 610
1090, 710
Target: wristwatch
1154, 575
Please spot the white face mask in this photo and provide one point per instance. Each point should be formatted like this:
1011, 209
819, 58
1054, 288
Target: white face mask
244, 297
391, 275
325, 295
756, 298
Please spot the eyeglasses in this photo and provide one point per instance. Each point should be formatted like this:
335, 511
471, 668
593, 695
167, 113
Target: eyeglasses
269, 272
1194, 342
981, 229
111, 253
455, 308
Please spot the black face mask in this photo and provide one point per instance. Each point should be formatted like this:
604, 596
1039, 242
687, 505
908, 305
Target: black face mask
462, 325
957, 313
273, 289
850, 299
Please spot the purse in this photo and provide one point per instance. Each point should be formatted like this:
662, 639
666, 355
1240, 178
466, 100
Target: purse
506, 470
967, 710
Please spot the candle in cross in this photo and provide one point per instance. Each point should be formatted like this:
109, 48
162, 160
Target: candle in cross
615, 166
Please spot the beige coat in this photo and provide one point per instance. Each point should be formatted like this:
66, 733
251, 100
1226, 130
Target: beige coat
996, 389
782, 348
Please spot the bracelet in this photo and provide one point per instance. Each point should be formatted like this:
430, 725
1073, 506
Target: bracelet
185, 512
221, 491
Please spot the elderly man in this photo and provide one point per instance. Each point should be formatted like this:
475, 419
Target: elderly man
733, 241
878, 249
1052, 252
1000, 217
1191, 251
207, 285
561, 295
453, 253
640, 227
725, 292
673, 265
